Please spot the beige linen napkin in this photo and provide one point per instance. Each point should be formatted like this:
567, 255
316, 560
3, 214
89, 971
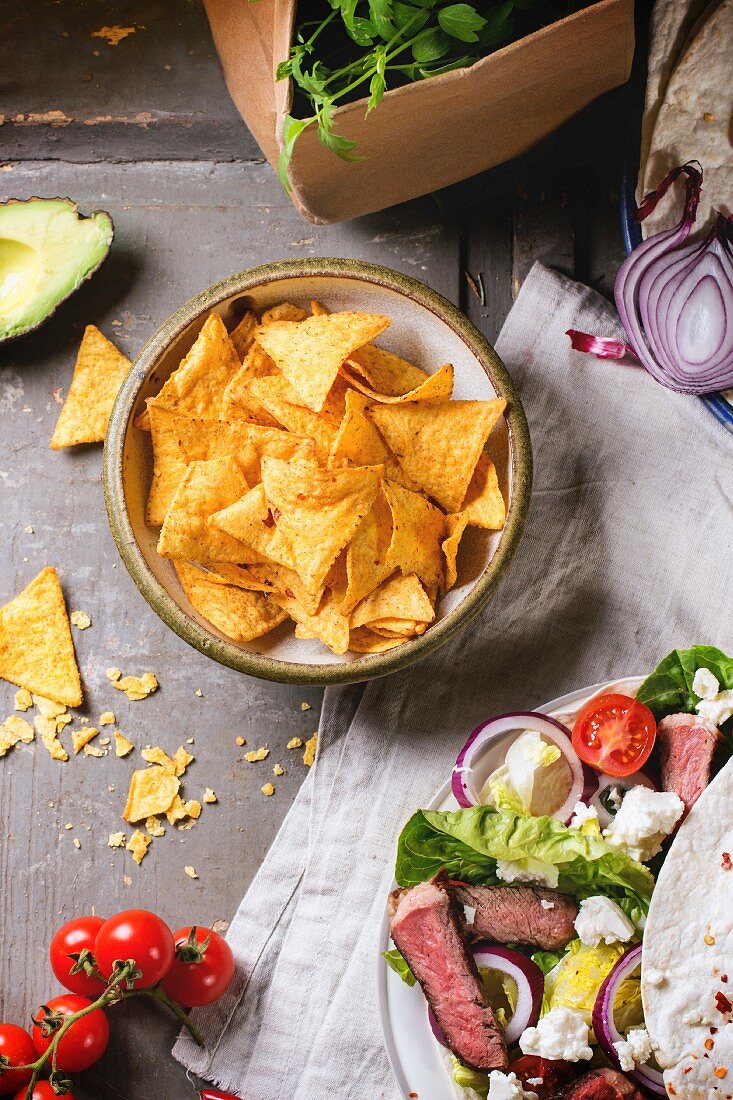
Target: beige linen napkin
628, 553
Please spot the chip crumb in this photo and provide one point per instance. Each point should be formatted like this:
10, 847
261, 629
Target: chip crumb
138, 844
152, 791
80, 619
92, 750
13, 730
305, 706
81, 738
77, 842
220, 926
191, 871
122, 745
104, 740
278, 770
257, 754
110, 789
189, 741
116, 840
69, 825
199, 693
64, 720
23, 700
239, 741
136, 687
268, 790
709, 940
46, 727
295, 743
107, 718
28, 530
113, 674
154, 826
309, 755
209, 796
47, 707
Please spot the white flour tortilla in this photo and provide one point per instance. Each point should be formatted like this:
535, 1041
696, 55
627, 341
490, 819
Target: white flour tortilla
694, 123
681, 972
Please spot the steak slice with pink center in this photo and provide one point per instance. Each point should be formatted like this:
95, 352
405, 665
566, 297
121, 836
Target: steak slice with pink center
686, 746
518, 914
600, 1084
425, 925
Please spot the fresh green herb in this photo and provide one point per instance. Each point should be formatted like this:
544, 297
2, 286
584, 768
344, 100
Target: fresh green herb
345, 50
397, 962
669, 688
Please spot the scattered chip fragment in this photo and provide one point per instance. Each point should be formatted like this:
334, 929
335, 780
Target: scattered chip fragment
122, 745
154, 827
46, 728
80, 619
152, 791
116, 840
81, 738
295, 743
257, 754
13, 730
268, 790
107, 718
136, 687
138, 844
23, 699
278, 770
209, 796
191, 871
309, 754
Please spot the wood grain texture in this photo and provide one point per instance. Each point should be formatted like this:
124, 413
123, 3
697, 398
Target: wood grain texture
192, 202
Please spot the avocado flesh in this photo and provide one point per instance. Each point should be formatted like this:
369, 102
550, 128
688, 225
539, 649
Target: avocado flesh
47, 249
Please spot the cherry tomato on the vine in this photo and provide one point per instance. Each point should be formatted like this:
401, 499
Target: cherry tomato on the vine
42, 1090
201, 971
139, 935
86, 1040
71, 939
16, 1049
615, 734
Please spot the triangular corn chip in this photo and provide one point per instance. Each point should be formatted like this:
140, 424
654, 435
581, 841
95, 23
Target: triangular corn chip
400, 597
284, 311
240, 615
99, 372
385, 372
237, 575
456, 524
201, 440
397, 628
318, 309
310, 353
484, 504
328, 624
318, 511
206, 488
366, 554
418, 528
242, 335
151, 792
363, 640
438, 444
357, 441
281, 401
169, 464
197, 387
280, 579
436, 387
36, 650
238, 399
251, 521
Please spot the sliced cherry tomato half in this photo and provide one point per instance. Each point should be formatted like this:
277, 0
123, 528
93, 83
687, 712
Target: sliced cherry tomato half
86, 1040
71, 939
531, 1069
16, 1049
614, 734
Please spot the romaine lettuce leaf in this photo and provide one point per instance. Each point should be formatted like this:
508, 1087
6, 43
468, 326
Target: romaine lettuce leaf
467, 844
397, 962
669, 688
575, 981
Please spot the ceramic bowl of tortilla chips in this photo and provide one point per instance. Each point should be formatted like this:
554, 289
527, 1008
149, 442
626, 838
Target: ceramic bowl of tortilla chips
317, 471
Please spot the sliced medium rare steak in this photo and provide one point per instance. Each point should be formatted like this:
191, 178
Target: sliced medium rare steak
425, 925
516, 914
600, 1084
686, 745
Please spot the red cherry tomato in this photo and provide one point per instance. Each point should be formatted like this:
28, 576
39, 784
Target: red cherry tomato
16, 1049
42, 1091
554, 1074
199, 974
139, 935
86, 1040
71, 939
614, 734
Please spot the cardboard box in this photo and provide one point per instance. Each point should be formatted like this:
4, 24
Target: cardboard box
426, 135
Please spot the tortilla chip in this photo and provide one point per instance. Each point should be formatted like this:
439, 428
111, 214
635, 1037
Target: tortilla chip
250, 521
278, 578
484, 505
99, 372
366, 554
152, 791
80, 738
309, 353
366, 641
319, 510
137, 687
36, 649
282, 402
385, 372
122, 745
285, 311
169, 464
418, 528
13, 730
181, 759
240, 576
206, 488
238, 399
242, 335
239, 614
438, 444
196, 387
156, 755
318, 309
397, 628
400, 597
436, 387
455, 526
328, 624
357, 442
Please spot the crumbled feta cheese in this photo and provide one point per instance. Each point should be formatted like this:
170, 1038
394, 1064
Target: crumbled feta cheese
646, 817
634, 1050
718, 709
561, 1034
469, 913
599, 919
547, 904
528, 870
705, 685
581, 814
507, 1086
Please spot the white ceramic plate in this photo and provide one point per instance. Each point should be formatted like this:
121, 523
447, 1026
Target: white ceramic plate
413, 1053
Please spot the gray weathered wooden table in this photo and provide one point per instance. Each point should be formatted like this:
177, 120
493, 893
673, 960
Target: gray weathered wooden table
145, 130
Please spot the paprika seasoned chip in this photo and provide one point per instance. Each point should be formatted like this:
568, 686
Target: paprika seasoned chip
435, 387
36, 648
384, 372
152, 791
357, 441
239, 614
197, 387
251, 522
99, 372
417, 530
206, 488
400, 597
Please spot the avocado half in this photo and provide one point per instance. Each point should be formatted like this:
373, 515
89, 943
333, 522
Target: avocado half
47, 249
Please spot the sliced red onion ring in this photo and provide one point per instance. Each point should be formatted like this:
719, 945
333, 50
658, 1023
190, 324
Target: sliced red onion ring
528, 979
462, 781
607, 781
604, 1024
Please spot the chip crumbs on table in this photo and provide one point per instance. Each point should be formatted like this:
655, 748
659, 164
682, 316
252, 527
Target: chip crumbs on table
309, 755
191, 871
138, 844
295, 743
268, 790
257, 754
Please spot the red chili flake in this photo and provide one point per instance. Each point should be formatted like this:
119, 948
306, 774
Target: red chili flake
722, 1003
276, 514
301, 496
412, 1095
289, 593
724, 977
727, 863
269, 520
713, 1031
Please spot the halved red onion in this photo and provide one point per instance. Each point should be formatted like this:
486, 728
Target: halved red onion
462, 782
604, 1024
604, 782
528, 979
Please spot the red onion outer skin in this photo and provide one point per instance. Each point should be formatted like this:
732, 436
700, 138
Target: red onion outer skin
605, 1028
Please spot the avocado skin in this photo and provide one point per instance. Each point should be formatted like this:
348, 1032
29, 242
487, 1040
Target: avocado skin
60, 250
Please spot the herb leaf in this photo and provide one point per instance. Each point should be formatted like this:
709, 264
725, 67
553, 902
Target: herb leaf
461, 21
430, 44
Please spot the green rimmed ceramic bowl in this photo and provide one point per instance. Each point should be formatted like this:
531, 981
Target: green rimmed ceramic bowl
426, 329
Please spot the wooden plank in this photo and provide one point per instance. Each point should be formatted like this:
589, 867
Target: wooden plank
180, 226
